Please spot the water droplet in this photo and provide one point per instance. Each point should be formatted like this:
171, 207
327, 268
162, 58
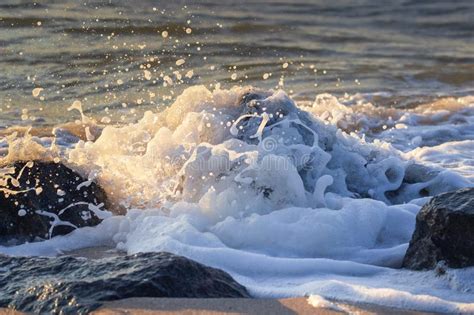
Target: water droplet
36, 92
147, 74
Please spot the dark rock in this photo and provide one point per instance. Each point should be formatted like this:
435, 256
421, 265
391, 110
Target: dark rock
444, 232
39, 200
73, 285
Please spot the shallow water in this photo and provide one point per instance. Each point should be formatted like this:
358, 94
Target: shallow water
308, 182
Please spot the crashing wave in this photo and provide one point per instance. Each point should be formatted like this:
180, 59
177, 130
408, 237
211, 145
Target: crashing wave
273, 193
214, 148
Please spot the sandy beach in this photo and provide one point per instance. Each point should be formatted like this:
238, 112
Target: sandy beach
188, 306
233, 306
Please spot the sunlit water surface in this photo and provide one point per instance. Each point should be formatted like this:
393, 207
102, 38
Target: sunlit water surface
119, 58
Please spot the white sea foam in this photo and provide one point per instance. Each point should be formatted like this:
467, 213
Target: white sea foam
455, 155
429, 124
320, 302
211, 147
273, 193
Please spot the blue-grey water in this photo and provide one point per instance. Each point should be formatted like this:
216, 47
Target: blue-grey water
406, 52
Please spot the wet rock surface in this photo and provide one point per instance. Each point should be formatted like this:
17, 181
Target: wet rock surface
39, 200
77, 285
444, 232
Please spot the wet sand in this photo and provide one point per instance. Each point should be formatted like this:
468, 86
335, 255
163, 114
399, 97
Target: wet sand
290, 306
144, 306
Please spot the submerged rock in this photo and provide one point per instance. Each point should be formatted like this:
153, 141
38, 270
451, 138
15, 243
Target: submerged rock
444, 232
77, 285
40, 199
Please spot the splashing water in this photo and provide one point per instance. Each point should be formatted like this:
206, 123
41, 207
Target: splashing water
291, 196
244, 176
210, 146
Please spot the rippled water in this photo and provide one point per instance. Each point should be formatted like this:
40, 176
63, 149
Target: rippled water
310, 188
401, 52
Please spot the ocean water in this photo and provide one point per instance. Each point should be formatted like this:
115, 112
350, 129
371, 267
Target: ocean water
290, 144
400, 52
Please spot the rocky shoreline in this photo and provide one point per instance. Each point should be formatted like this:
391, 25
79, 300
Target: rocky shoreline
78, 285
42, 199
237, 305
444, 233
83, 280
